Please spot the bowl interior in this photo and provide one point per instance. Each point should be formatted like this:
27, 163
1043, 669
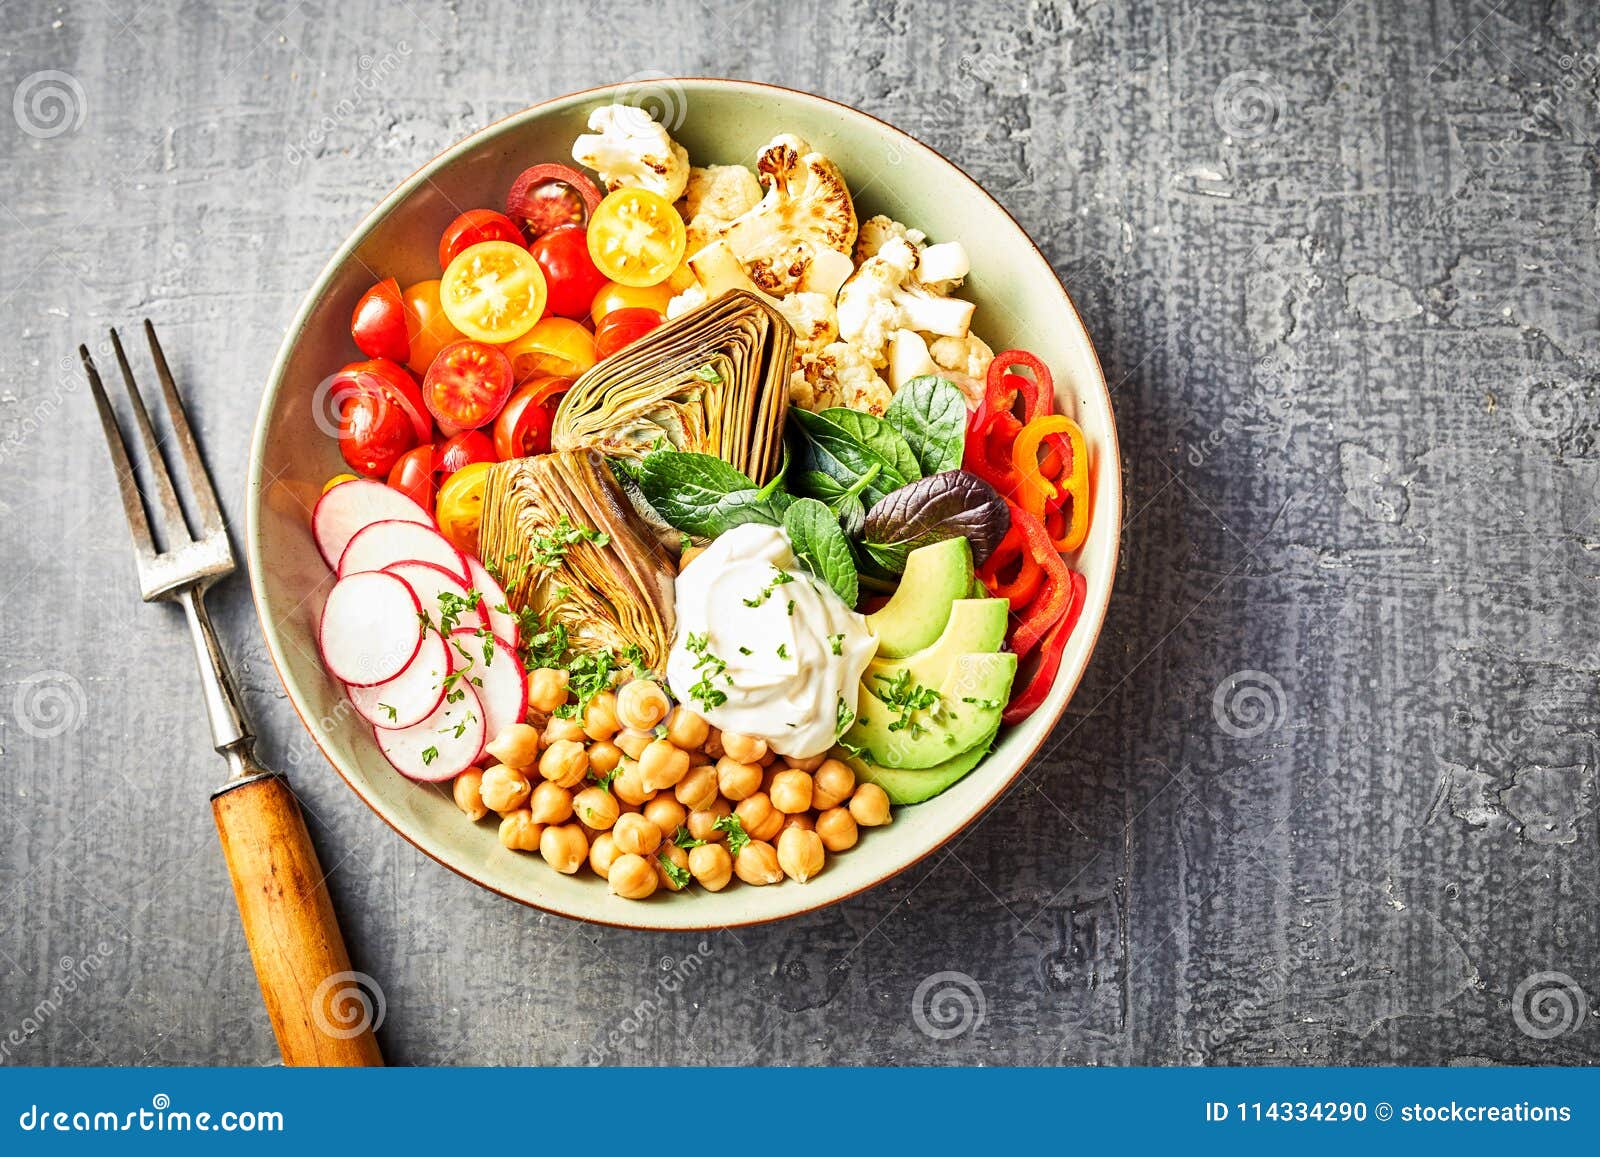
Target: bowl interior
1019, 303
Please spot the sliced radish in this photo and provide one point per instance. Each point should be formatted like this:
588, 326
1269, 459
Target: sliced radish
443, 745
351, 507
370, 630
490, 665
411, 696
429, 581
385, 543
501, 621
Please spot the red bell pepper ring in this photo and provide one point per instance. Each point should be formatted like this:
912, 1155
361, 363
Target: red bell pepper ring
988, 450
1002, 386
1025, 702
1053, 598
1011, 557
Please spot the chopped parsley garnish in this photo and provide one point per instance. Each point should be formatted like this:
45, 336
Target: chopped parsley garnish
452, 606
901, 695
852, 749
603, 782
791, 607
390, 711
547, 550
783, 650
836, 644
676, 873
843, 718
746, 651
989, 704
779, 578
429, 754
709, 667
684, 840
737, 836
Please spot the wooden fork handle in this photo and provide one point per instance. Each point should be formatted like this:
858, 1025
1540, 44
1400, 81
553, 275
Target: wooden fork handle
322, 1012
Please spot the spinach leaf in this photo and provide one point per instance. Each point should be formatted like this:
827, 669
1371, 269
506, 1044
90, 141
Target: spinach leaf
701, 494
931, 415
845, 444
946, 505
821, 547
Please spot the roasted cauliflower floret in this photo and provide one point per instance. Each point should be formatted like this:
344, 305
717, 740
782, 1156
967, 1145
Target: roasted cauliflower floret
838, 375
812, 316
713, 197
968, 355
885, 295
806, 209
627, 147
876, 230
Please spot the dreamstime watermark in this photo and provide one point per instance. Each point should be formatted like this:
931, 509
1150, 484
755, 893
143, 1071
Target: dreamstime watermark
1249, 703
659, 94
947, 1005
1549, 1004
1247, 104
48, 704
348, 1004
372, 72
49, 104
40, 412
675, 974
1546, 409
71, 974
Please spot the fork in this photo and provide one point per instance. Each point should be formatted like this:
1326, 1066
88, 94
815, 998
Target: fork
299, 954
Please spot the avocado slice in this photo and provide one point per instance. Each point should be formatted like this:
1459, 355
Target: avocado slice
972, 626
964, 693
913, 785
936, 575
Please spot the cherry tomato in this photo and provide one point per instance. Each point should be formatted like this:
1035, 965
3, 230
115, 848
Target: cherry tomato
523, 427
493, 291
383, 378
462, 450
546, 196
460, 506
373, 434
413, 474
429, 328
636, 237
613, 297
563, 254
467, 384
557, 345
472, 227
379, 322
623, 327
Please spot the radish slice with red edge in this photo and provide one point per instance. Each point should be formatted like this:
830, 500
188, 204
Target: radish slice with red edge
411, 696
496, 607
385, 543
430, 581
351, 507
370, 629
443, 745
490, 665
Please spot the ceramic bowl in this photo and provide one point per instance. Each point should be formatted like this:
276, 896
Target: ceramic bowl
1019, 300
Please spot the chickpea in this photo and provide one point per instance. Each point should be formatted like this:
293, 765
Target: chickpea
600, 717
595, 808
803, 821
832, 784
558, 729
791, 791
678, 858
757, 863
604, 757
713, 743
738, 780
702, 821
686, 729
869, 806
711, 866
550, 803
564, 848
628, 785
666, 813
800, 854
770, 759
547, 688
836, 827
633, 743
641, 704
564, 763
516, 746
468, 793
504, 789
636, 835
602, 853
632, 877
690, 553
744, 748
809, 763
697, 790
760, 820
663, 765
520, 832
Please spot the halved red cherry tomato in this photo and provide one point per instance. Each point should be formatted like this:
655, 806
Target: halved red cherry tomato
373, 434
473, 226
463, 449
569, 273
379, 323
385, 379
523, 427
413, 474
467, 384
622, 327
546, 196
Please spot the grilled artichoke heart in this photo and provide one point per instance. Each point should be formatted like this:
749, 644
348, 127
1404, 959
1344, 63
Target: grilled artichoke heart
714, 381
566, 542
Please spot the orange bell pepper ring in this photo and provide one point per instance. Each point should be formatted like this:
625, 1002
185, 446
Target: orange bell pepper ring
1038, 492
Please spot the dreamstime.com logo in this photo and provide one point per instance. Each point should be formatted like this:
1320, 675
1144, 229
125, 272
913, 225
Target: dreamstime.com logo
348, 1004
1247, 104
675, 975
1249, 703
71, 975
1549, 1004
658, 94
1546, 410
949, 1004
49, 704
49, 104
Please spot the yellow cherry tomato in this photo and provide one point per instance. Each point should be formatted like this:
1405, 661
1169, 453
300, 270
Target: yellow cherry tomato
557, 345
428, 329
336, 479
636, 237
494, 291
460, 506
613, 297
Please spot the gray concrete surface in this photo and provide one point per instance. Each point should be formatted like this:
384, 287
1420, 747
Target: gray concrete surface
1329, 791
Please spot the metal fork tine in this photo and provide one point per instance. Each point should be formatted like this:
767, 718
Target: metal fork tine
173, 524
205, 493
138, 525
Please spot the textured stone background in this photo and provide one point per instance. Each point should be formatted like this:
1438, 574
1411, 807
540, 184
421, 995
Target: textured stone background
1329, 790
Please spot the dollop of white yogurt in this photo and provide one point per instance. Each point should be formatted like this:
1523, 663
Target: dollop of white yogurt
765, 648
